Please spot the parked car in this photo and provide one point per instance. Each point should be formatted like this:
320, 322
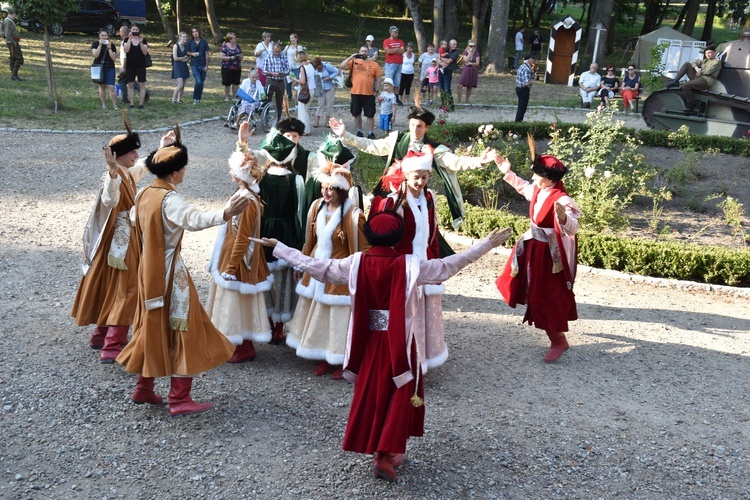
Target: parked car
91, 16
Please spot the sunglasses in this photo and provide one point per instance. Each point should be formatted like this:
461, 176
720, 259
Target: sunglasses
631, 69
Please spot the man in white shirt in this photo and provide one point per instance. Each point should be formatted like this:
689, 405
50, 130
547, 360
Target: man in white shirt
589, 83
519, 46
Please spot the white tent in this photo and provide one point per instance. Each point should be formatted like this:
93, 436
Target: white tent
678, 43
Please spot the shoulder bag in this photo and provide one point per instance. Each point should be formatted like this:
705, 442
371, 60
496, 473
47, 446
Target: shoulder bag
97, 70
303, 94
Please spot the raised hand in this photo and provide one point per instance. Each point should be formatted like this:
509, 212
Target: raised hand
237, 203
244, 132
337, 126
111, 158
487, 155
560, 211
168, 139
499, 236
502, 163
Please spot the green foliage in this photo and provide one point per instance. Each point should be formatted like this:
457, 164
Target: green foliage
652, 77
47, 11
663, 259
734, 212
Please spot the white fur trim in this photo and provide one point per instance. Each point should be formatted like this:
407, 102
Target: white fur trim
421, 223
280, 171
263, 337
434, 289
237, 286
436, 361
234, 339
278, 265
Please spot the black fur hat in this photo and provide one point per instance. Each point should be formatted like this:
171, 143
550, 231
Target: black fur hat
420, 113
125, 143
168, 159
291, 125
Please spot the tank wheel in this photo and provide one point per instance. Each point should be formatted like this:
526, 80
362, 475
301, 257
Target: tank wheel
662, 101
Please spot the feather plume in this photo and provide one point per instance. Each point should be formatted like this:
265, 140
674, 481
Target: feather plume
128, 127
532, 145
177, 134
285, 107
417, 99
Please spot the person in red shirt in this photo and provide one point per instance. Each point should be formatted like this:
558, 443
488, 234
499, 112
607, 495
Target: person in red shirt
394, 49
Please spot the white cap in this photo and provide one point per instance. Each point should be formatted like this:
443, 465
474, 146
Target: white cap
370, 38
387, 80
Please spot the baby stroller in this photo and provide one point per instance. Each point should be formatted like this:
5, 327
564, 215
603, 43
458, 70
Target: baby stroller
263, 115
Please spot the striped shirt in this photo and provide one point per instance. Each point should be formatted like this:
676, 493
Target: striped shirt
524, 75
276, 64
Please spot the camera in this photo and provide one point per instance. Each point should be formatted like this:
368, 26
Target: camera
360, 56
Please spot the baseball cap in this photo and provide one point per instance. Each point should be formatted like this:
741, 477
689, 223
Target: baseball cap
387, 80
370, 38
410, 44
392, 29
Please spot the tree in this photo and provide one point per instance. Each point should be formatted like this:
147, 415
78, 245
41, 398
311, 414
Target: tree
708, 27
164, 21
438, 24
478, 15
495, 55
688, 15
419, 31
47, 12
600, 11
214, 22
654, 13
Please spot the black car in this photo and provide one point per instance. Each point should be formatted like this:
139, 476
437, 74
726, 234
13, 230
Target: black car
91, 16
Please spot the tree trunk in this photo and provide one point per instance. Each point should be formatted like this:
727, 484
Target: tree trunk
178, 14
664, 10
693, 6
544, 6
450, 13
709, 26
213, 21
54, 98
164, 22
438, 26
600, 11
419, 31
495, 56
478, 13
681, 16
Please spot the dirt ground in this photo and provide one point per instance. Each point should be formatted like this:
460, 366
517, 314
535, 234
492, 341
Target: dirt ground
649, 402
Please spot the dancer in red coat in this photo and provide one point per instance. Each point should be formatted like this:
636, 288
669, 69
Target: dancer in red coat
381, 358
541, 269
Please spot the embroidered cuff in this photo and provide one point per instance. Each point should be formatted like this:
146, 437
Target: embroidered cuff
403, 379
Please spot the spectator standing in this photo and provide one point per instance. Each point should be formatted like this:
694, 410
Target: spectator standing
122, 76
365, 76
631, 85
105, 54
180, 70
137, 48
448, 64
291, 51
262, 51
372, 52
407, 73
394, 49
387, 100
589, 83
325, 89
231, 66
469, 72
519, 45
524, 79
276, 69
536, 44
11, 41
198, 50
425, 61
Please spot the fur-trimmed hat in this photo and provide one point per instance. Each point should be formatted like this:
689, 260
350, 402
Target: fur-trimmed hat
384, 229
291, 125
417, 160
125, 143
334, 163
278, 147
168, 159
244, 166
333, 150
549, 167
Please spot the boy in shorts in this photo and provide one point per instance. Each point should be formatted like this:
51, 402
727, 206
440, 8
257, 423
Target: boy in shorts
387, 100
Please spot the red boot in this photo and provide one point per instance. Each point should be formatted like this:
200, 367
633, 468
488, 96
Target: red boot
398, 459
144, 392
180, 402
97, 337
278, 336
243, 352
117, 337
338, 373
559, 346
322, 369
382, 466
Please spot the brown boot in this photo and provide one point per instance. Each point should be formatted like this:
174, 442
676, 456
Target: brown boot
180, 402
558, 347
278, 336
97, 337
144, 392
243, 352
117, 337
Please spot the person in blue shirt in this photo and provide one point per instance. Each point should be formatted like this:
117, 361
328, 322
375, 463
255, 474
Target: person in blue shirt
199, 58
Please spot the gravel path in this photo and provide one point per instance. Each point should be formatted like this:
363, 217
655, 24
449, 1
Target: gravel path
650, 401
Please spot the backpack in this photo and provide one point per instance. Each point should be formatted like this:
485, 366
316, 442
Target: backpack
2, 28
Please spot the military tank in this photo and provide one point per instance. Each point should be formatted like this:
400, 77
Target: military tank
722, 110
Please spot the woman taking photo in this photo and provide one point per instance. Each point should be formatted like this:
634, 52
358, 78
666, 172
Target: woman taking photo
105, 54
136, 47
180, 71
231, 66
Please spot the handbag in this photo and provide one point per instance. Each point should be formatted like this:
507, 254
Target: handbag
147, 61
303, 94
97, 73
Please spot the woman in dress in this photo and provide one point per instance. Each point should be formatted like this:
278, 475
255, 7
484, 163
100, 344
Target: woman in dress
631, 86
407, 73
306, 76
172, 334
180, 70
231, 66
290, 51
410, 197
239, 272
334, 231
105, 54
469, 72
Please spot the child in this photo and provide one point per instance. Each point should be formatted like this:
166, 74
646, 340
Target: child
542, 266
442, 50
432, 77
387, 407
252, 88
387, 100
